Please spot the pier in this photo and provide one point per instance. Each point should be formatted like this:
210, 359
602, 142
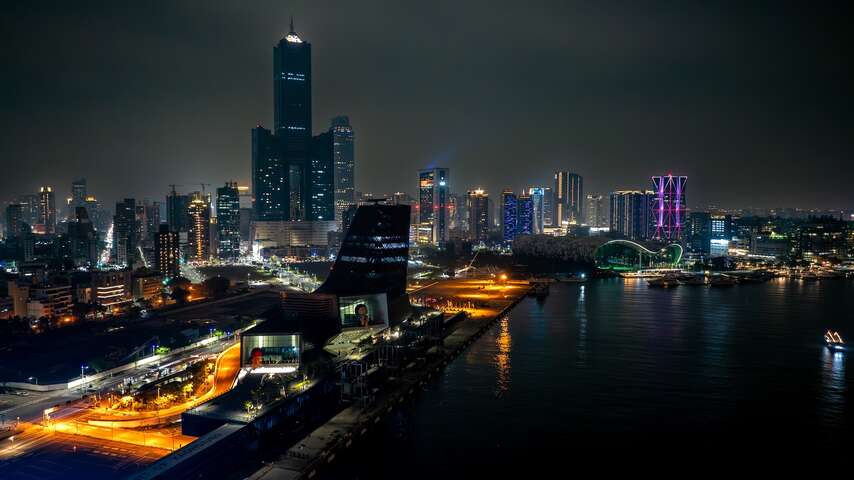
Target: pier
471, 306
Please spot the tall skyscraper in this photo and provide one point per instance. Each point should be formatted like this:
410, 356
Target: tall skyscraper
176, 211
669, 207
82, 239
47, 210
167, 252
199, 215
478, 207
568, 198
321, 191
78, 197
433, 202
525, 215
549, 207
595, 211
292, 89
538, 199
14, 220
509, 213
561, 198
269, 175
124, 233
228, 220
630, 214
292, 173
576, 198
345, 165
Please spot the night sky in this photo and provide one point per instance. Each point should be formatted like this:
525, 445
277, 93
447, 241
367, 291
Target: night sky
753, 103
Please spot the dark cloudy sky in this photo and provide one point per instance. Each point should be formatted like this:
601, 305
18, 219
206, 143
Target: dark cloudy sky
753, 103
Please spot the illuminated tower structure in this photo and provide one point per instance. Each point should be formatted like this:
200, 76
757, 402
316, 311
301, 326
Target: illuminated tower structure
292, 121
167, 252
228, 220
47, 210
668, 207
199, 216
124, 233
345, 171
538, 195
509, 210
433, 206
478, 207
525, 215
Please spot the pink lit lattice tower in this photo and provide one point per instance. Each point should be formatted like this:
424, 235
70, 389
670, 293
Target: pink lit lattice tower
668, 207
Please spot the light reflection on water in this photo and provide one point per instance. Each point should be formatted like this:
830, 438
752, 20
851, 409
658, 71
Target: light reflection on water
613, 361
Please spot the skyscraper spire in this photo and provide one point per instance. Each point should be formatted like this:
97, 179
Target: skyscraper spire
292, 26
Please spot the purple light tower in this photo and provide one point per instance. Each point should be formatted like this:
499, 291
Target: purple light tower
668, 208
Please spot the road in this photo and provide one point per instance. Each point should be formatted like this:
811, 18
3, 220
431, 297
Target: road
70, 426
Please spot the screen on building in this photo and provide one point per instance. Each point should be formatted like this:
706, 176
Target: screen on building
361, 311
270, 351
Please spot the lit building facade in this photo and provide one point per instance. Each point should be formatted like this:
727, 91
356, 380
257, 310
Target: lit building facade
478, 209
630, 214
525, 215
199, 216
669, 207
228, 221
433, 206
509, 210
321, 180
596, 211
124, 233
46, 210
569, 199
167, 252
538, 201
344, 164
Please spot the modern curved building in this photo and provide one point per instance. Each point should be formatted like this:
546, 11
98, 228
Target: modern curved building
629, 255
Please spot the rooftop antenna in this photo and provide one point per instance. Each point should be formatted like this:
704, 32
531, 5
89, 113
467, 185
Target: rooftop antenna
292, 24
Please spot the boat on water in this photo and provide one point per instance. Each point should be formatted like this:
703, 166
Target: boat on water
834, 341
573, 278
827, 274
809, 276
663, 282
695, 280
650, 273
722, 281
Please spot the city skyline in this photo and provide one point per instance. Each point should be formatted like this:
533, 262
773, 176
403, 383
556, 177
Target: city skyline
202, 137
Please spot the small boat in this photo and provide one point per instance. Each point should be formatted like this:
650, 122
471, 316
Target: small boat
722, 281
695, 280
663, 282
573, 279
809, 276
834, 341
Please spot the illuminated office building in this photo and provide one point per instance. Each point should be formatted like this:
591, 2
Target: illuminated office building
433, 206
478, 209
199, 217
228, 221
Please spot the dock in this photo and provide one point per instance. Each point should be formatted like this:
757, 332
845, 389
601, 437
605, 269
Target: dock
471, 308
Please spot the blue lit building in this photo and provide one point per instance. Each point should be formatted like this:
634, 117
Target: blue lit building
525, 215
509, 211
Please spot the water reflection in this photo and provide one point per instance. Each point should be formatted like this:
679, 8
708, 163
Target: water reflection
833, 380
581, 315
502, 357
